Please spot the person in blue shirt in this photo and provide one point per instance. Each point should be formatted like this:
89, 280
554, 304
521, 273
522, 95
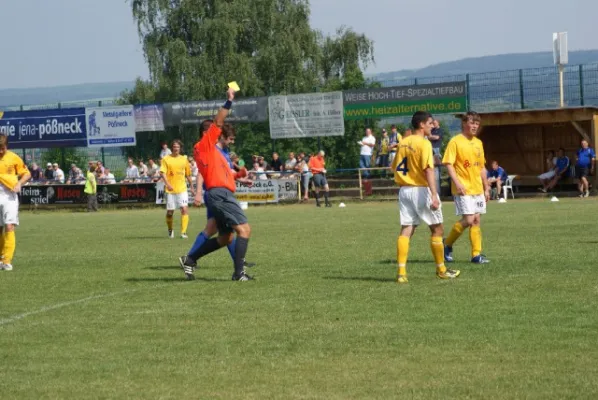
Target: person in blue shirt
584, 167
497, 176
561, 170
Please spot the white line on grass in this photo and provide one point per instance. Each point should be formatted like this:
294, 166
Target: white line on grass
44, 309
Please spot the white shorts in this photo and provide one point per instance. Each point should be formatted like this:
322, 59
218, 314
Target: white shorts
470, 205
176, 200
9, 208
414, 205
547, 175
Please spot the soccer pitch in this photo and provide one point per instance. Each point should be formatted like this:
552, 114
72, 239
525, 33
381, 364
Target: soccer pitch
97, 307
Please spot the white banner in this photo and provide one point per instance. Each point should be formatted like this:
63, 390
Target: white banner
287, 189
110, 126
306, 115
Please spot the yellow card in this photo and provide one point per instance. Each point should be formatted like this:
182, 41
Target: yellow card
234, 86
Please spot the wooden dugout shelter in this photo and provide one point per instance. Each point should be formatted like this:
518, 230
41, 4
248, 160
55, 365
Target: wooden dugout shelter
521, 140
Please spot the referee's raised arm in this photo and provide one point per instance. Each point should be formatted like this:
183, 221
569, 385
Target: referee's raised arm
225, 109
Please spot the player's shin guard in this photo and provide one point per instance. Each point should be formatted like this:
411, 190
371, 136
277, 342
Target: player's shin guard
402, 252
438, 252
475, 236
454, 235
184, 223
9, 247
240, 252
231, 248
208, 247
199, 241
169, 220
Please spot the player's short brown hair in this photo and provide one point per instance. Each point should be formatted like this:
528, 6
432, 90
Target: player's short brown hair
228, 131
177, 141
474, 116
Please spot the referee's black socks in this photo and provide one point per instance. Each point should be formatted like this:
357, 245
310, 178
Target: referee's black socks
240, 252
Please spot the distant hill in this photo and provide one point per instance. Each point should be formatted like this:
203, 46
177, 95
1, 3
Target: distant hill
110, 90
56, 94
488, 64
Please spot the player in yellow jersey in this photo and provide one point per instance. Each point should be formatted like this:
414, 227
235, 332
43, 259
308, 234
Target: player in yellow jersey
174, 170
413, 169
465, 161
13, 174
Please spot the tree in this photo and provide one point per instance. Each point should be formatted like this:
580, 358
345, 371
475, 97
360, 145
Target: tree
194, 47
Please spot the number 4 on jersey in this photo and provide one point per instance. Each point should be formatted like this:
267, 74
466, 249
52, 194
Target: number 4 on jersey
402, 167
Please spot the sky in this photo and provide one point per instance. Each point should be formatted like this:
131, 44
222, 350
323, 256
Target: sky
63, 42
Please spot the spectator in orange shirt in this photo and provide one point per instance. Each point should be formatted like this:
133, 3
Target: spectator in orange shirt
317, 166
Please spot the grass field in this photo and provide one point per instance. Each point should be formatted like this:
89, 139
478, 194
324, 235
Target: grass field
97, 307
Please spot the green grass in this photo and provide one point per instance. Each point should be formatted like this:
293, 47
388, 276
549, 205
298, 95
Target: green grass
97, 308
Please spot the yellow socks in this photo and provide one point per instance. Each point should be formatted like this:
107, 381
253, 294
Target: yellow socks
454, 235
475, 236
2, 244
169, 219
184, 223
8, 249
402, 252
438, 252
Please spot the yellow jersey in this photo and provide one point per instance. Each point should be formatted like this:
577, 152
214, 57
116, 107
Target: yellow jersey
11, 168
467, 157
176, 169
414, 156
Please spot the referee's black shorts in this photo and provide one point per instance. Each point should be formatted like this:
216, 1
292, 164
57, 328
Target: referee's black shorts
320, 180
225, 208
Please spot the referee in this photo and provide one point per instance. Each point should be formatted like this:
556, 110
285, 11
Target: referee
219, 181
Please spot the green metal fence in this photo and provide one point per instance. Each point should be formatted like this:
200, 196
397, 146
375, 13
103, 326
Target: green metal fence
491, 91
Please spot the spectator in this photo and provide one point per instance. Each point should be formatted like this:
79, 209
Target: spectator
393, 143
317, 165
36, 173
383, 151
262, 162
58, 174
143, 170
584, 167
235, 160
108, 177
165, 151
75, 176
193, 166
91, 190
436, 140
258, 172
49, 173
561, 170
497, 176
132, 172
550, 168
407, 133
99, 168
290, 163
153, 171
365, 154
303, 168
276, 164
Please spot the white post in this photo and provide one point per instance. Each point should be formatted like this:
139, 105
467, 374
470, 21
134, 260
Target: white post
561, 85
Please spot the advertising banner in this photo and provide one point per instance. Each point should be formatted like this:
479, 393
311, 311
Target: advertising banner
44, 128
306, 115
161, 193
436, 98
73, 194
110, 126
149, 117
252, 109
262, 191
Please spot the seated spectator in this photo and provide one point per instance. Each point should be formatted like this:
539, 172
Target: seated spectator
131, 173
235, 160
108, 177
257, 173
36, 173
143, 170
546, 177
153, 170
165, 151
75, 176
497, 177
561, 170
49, 173
290, 163
276, 164
58, 174
100, 167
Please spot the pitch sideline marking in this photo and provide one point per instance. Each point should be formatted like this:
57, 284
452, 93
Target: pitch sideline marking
44, 309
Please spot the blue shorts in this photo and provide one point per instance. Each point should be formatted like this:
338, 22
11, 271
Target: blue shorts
209, 213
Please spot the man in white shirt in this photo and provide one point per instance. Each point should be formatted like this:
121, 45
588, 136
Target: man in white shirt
142, 169
154, 170
165, 151
132, 172
367, 147
108, 178
58, 174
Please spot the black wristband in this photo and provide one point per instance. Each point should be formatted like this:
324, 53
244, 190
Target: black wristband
227, 105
